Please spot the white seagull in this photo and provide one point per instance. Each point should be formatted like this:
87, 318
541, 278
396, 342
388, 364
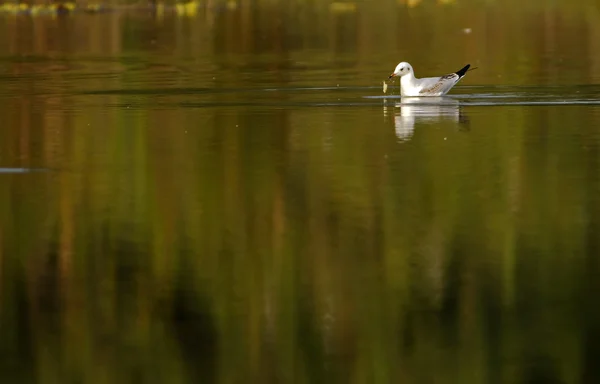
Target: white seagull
427, 86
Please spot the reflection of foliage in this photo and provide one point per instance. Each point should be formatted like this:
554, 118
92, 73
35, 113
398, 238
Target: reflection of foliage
178, 243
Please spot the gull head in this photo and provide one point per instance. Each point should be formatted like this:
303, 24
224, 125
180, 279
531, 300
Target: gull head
401, 69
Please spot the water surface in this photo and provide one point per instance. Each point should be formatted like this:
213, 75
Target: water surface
231, 198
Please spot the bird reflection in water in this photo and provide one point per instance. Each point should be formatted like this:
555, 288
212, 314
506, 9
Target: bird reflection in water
412, 110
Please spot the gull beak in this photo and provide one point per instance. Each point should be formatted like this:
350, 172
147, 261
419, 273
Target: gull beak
392, 75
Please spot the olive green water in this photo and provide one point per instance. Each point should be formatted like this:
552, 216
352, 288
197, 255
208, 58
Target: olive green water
230, 198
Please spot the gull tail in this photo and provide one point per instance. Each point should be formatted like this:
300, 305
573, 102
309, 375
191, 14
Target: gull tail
462, 72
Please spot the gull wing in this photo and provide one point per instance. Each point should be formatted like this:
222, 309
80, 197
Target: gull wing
435, 86
439, 85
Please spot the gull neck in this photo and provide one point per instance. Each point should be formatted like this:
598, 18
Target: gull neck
407, 81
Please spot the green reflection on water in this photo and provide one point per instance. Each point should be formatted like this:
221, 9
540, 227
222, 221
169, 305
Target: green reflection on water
202, 219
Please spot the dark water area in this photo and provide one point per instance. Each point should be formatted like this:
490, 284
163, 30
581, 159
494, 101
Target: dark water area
230, 197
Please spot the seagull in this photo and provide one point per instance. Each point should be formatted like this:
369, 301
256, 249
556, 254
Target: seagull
427, 86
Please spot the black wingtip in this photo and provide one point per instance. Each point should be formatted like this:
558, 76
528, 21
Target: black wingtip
462, 72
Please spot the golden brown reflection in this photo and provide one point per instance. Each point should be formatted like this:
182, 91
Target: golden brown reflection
179, 233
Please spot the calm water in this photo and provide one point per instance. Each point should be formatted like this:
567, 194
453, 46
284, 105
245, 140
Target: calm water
230, 197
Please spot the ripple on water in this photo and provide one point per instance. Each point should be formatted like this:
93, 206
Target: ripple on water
340, 96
